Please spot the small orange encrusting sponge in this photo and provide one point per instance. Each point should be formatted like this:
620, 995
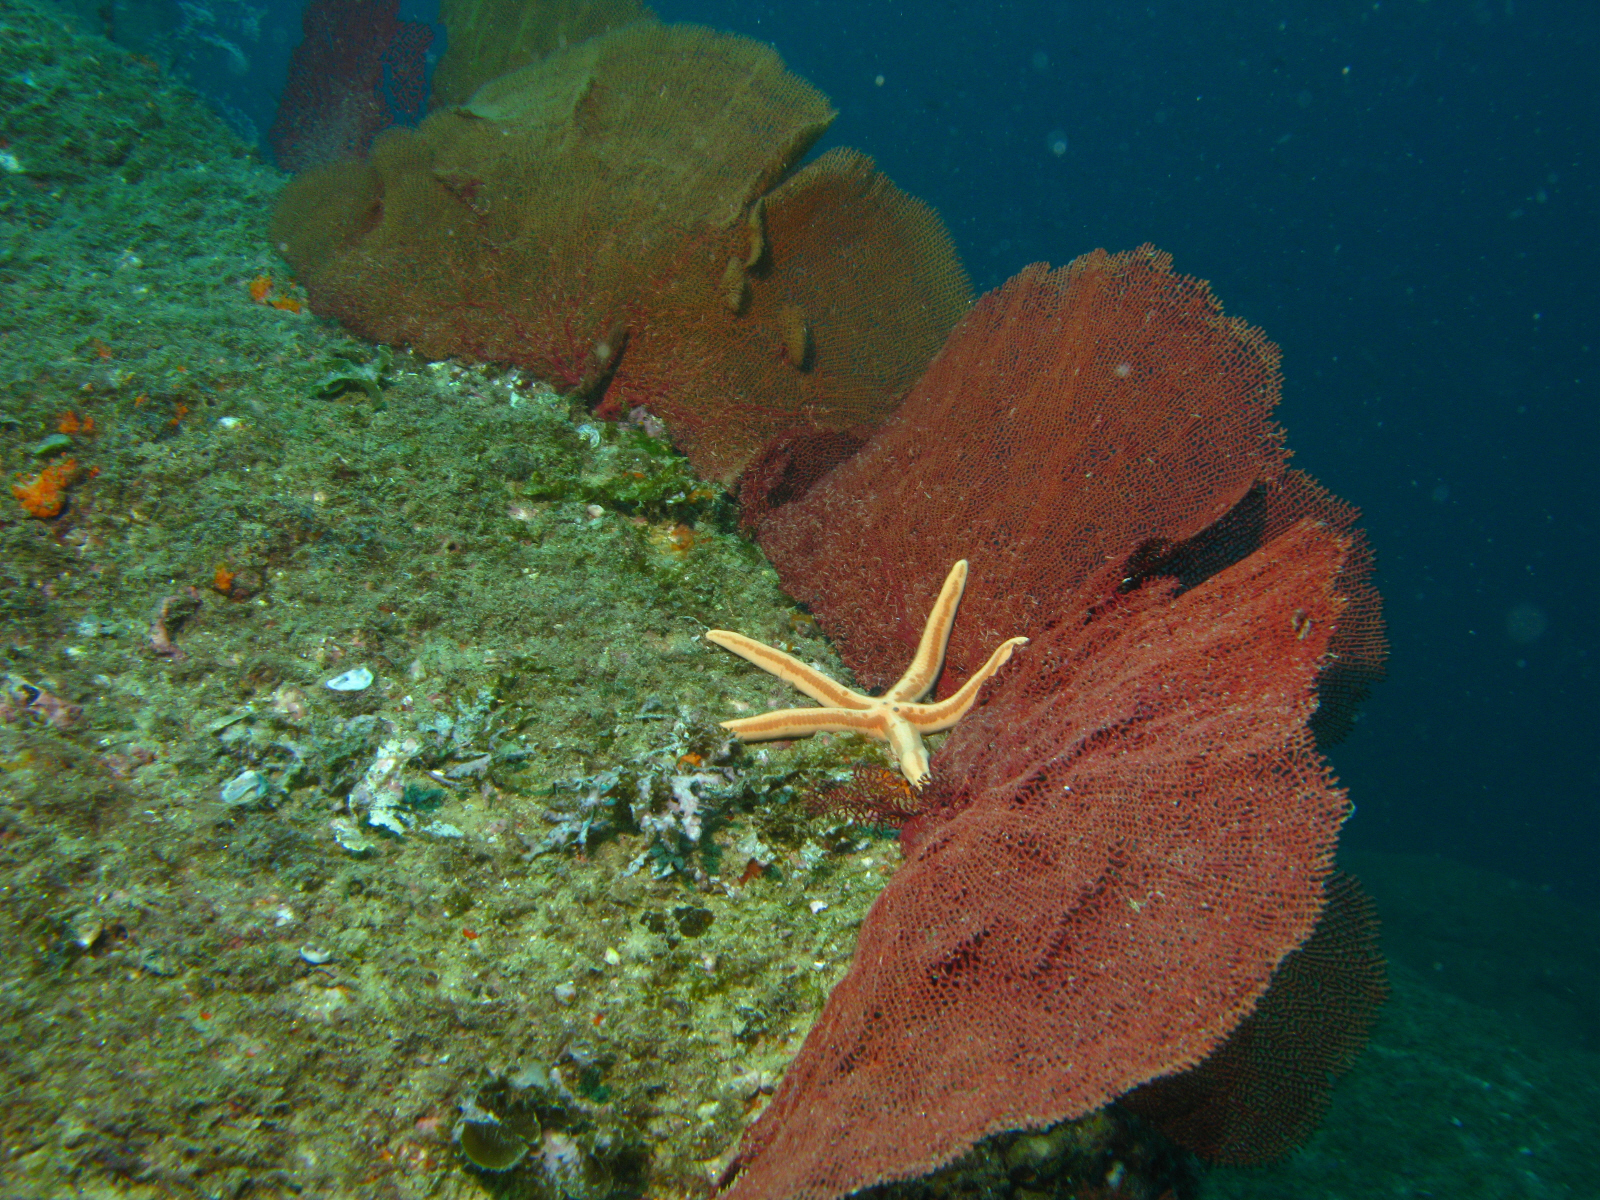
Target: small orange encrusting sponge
45, 495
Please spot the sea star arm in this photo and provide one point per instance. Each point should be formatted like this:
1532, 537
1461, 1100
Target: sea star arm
924, 668
789, 669
935, 718
803, 722
906, 742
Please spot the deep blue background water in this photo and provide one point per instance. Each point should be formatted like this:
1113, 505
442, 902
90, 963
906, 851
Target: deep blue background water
1404, 195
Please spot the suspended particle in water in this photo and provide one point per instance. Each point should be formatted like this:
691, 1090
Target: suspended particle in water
1526, 623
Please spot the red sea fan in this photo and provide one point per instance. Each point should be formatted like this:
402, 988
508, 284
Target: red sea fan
854, 286
358, 70
1070, 417
1116, 854
1131, 833
1263, 1091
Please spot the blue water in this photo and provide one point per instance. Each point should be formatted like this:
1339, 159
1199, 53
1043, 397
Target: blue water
1404, 195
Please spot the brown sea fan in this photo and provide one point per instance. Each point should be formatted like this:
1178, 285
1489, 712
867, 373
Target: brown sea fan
620, 218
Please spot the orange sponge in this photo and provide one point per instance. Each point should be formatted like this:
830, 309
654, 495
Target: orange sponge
45, 495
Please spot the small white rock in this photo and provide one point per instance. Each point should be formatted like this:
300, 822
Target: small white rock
818, 906
348, 836
358, 679
244, 787
386, 818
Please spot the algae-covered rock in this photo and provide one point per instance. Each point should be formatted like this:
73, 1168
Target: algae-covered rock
74, 108
262, 972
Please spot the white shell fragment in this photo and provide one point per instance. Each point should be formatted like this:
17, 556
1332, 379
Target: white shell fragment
385, 818
244, 787
348, 836
382, 789
86, 929
357, 679
315, 955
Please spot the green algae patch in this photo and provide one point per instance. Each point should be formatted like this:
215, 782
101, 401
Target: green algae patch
346, 374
